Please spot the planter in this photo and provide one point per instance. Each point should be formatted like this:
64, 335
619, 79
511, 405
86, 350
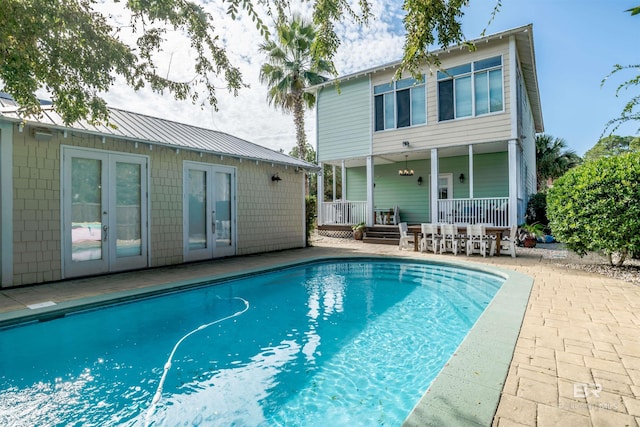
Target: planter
358, 234
530, 242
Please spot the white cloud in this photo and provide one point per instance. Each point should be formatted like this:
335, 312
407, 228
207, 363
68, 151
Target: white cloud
248, 115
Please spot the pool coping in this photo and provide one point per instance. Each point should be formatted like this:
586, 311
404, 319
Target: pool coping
465, 392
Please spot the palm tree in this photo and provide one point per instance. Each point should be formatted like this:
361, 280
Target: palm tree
553, 159
290, 67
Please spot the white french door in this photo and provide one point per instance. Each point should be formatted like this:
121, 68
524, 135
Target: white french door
445, 192
209, 211
104, 212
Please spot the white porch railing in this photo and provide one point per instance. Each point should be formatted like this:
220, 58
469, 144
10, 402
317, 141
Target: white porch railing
342, 213
491, 210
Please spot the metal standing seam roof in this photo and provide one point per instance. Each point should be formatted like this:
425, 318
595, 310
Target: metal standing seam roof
153, 130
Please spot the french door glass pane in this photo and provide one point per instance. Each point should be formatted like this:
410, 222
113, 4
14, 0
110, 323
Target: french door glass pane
197, 209
482, 93
443, 188
223, 209
463, 96
86, 209
495, 90
128, 210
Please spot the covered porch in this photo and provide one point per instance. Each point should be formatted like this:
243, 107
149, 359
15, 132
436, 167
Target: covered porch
477, 183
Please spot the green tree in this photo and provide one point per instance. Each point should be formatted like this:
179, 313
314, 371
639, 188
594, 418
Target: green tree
553, 159
596, 207
612, 145
76, 53
630, 110
311, 186
292, 66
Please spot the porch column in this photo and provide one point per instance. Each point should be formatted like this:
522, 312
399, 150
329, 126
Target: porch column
433, 191
6, 203
333, 183
320, 196
470, 171
513, 182
344, 181
370, 202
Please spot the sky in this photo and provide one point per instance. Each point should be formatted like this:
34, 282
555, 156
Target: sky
576, 42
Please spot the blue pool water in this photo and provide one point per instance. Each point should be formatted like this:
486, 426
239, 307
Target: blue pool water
352, 343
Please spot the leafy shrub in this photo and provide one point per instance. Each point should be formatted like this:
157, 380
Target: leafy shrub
311, 214
596, 207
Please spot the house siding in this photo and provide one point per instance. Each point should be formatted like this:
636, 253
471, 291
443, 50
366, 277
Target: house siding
491, 175
344, 127
262, 222
490, 127
527, 129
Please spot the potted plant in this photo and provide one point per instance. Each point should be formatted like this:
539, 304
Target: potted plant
358, 230
529, 234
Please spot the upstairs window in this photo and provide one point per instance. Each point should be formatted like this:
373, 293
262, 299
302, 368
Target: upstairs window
400, 104
471, 89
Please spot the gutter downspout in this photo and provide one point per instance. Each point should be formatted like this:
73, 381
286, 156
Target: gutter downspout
513, 142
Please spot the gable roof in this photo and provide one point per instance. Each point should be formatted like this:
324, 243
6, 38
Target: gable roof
524, 46
136, 127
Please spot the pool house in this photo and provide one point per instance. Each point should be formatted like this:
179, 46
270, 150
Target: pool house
456, 145
85, 200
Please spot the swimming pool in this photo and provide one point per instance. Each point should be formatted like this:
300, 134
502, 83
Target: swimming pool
349, 343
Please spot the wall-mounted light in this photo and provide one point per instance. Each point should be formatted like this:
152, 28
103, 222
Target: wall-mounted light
275, 177
405, 144
20, 127
461, 178
419, 180
42, 134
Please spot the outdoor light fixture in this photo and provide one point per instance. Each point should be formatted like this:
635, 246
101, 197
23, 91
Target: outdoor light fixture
419, 180
405, 143
405, 172
42, 134
275, 177
461, 177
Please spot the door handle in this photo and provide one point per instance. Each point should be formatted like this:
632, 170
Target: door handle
213, 222
104, 232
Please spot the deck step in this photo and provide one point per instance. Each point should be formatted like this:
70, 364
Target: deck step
380, 240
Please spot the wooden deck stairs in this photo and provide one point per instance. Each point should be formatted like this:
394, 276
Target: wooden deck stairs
382, 234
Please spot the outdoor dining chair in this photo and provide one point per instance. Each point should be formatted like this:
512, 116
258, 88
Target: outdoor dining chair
450, 241
507, 244
477, 240
430, 239
406, 241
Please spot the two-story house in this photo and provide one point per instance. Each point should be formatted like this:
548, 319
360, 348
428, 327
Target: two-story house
471, 123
